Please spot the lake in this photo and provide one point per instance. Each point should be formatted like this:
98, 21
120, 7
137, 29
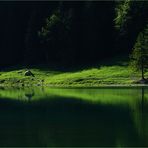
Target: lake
45, 117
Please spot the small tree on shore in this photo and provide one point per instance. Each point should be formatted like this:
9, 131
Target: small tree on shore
139, 57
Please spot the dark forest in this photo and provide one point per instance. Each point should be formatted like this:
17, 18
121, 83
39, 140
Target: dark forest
80, 32
72, 34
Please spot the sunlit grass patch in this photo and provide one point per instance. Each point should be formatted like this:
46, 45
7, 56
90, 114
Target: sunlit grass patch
104, 75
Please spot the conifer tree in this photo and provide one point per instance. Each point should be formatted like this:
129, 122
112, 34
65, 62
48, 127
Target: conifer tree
139, 57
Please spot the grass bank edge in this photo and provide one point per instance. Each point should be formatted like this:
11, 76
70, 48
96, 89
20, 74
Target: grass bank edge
92, 77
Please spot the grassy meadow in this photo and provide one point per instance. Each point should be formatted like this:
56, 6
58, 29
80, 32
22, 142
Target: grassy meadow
117, 73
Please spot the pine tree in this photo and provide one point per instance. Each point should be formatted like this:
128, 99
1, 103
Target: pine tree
139, 57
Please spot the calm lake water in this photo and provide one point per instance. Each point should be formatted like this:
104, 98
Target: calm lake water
74, 117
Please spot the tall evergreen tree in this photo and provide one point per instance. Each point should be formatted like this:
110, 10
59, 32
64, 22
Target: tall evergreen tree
139, 57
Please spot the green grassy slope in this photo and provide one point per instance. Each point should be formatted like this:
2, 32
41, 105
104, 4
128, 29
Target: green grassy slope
117, 74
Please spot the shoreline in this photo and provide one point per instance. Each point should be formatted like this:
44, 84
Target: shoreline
76, 86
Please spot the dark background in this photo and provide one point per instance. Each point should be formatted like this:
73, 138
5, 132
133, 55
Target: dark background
91, 36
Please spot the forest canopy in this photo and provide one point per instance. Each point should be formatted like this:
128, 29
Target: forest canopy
69, 32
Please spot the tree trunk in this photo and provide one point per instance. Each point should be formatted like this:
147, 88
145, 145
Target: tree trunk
142, 69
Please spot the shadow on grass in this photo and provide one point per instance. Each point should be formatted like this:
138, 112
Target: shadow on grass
121, 60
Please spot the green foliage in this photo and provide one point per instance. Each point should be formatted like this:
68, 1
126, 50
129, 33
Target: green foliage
139, 57
137, 54
128, 13
51, 23
56, 27
54, 35
122, 9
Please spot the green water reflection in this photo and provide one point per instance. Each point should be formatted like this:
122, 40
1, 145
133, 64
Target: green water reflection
74, 117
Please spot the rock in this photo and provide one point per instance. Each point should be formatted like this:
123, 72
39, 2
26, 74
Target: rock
29, 73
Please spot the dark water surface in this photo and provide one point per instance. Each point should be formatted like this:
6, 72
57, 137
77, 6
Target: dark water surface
74, 117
